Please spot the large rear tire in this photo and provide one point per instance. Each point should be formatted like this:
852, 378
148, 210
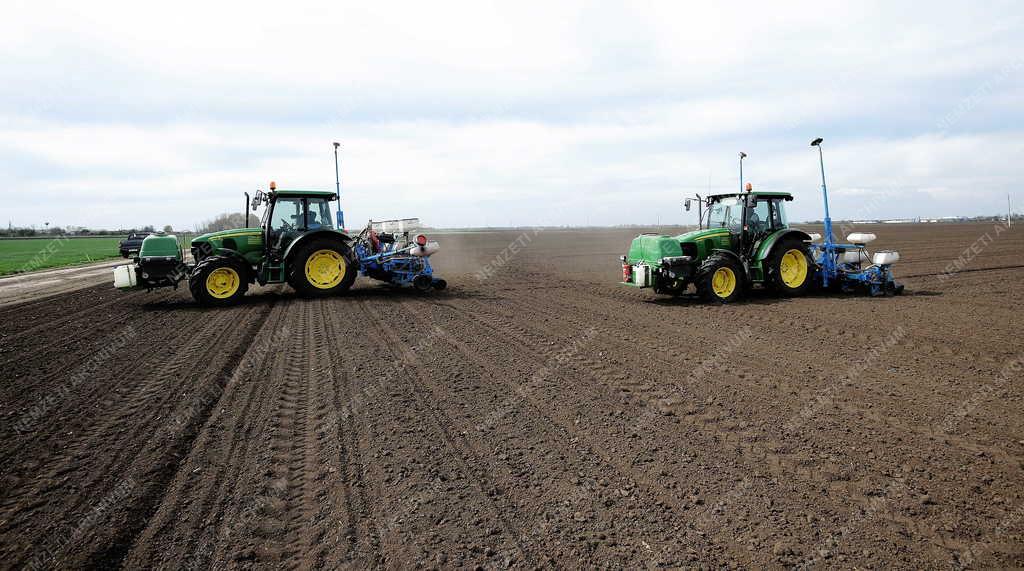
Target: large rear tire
219, 281
322, 267
789, 267
720, 279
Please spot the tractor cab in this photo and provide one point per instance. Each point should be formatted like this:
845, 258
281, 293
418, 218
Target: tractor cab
290, 214
750, 217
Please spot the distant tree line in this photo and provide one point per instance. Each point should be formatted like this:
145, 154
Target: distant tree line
12, 231
225, 221
28, 232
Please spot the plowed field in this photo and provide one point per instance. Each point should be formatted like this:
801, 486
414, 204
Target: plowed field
534, 414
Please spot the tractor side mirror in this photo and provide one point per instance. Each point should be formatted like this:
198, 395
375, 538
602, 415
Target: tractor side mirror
260, 198
686, 204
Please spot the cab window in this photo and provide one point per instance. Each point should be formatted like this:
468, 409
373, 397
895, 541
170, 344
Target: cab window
287, 215
759, 216
778, 215
725, 213
318, 215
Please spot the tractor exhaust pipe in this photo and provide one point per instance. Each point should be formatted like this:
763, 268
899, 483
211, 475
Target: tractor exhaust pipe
742, 156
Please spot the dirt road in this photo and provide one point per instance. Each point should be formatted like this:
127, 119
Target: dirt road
19, 288
536, 413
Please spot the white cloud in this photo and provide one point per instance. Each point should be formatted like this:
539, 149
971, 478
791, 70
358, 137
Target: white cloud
502, 113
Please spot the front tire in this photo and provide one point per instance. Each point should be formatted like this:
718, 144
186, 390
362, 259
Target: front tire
219, 281
720, 279
322, 267
789, 267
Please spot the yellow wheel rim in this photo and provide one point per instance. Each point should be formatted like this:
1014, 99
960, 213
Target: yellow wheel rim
793, 268
223, 283
723, 282
325, 269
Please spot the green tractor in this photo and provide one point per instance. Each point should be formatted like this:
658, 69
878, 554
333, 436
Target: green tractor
295, 244
745, 242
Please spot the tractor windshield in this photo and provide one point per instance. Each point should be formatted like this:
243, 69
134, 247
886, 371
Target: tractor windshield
726, 213
287, 214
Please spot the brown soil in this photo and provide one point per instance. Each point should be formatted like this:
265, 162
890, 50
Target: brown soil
539, 414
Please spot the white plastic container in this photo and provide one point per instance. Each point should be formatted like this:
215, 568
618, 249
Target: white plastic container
399, 226
425, 251
642, 275
124, 277
814, 236
854, 257
861, 238
886, 257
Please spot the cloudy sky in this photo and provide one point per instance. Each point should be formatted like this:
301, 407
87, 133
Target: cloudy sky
509, 113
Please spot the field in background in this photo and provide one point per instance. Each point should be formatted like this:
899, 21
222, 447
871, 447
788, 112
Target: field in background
29, 254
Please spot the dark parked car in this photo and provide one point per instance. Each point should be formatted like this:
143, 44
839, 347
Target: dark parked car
133, 243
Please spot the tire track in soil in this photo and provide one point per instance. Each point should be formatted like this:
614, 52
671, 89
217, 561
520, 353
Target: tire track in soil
97, 463
178, 534
160, 475
363, 536
467, 458
285, 483
273, 494
306, 528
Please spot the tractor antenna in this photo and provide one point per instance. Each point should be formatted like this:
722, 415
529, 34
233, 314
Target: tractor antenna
337, 187
742, 156
824, 189
829, 241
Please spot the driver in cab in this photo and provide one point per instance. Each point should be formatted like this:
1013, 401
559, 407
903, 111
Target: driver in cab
311, 222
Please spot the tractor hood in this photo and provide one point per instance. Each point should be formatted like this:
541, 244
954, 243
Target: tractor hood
233, 233
701, 234
245, 241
